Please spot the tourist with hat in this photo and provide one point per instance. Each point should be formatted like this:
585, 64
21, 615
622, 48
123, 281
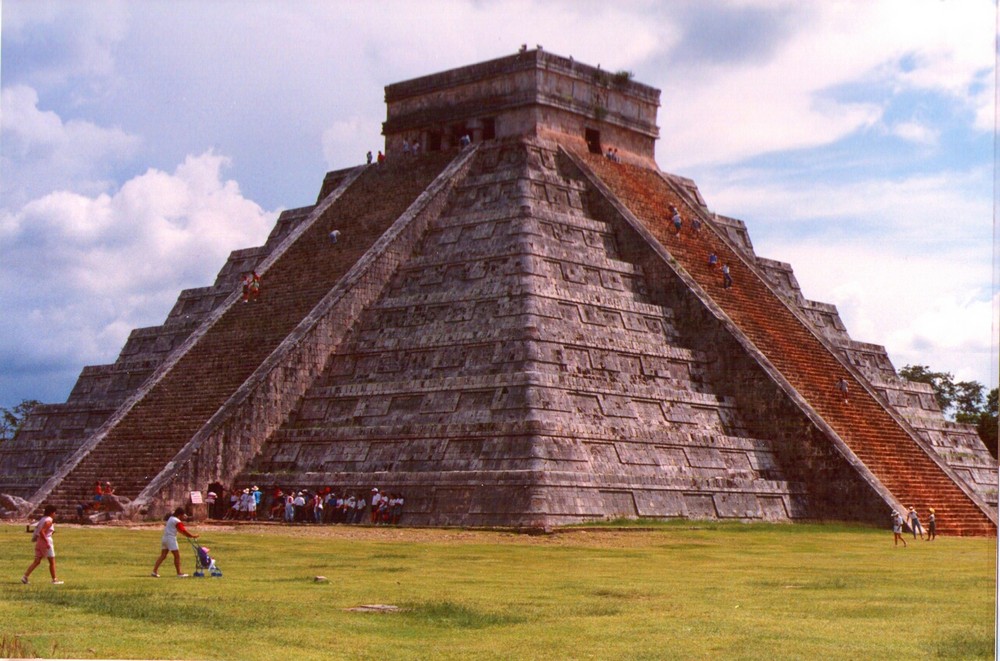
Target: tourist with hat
931, 526
255, 498
376, 501
300, 506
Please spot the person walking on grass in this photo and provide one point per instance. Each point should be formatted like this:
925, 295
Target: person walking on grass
174, 525
931, 526
897, 529
42, 537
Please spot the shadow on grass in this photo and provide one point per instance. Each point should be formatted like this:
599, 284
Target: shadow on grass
141, 606
446, 614
966, 645
830, 583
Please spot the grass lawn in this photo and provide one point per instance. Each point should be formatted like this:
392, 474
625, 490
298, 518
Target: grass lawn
676, 590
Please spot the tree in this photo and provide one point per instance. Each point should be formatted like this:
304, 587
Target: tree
965, 397
942, 383
987, 424
968, 401
12, 419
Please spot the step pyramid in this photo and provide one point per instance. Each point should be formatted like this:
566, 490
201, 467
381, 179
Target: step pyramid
509, 333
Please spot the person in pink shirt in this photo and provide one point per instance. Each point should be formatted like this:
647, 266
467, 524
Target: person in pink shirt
168, 543
43, 545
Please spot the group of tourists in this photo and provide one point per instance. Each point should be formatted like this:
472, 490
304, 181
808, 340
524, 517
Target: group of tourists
102, 493
713, 259
913, 520
325, 505
41, 536
251, 286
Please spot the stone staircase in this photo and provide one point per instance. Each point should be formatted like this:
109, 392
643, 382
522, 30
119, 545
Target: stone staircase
52, 433
871, 433
518, 370
144, 439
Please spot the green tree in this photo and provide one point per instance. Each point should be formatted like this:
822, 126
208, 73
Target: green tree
965, 400
968, 401
12, 419
987, 424
942, 382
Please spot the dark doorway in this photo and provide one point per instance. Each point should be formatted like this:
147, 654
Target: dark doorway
489, 128
434, 141
593, 138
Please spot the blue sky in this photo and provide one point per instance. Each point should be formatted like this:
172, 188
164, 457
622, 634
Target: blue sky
143, 141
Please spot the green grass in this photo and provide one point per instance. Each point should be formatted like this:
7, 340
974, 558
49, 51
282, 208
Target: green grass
678, 590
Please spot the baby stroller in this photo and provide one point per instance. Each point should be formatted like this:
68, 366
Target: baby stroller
204, 562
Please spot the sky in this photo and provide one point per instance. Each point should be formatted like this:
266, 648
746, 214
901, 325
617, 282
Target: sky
142, 142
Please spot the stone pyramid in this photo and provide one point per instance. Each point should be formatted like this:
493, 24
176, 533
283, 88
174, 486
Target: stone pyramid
509, 333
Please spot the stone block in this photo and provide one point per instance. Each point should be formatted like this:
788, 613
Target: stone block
737, 505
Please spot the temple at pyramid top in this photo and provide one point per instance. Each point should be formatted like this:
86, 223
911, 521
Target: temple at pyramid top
510, 329
530, 93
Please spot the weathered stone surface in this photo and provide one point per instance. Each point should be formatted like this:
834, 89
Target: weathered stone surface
480, 331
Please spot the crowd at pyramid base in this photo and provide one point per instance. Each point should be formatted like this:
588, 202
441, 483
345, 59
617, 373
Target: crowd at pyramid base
511, 331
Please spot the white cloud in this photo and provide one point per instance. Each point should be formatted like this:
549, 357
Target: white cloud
905, 261
920, 213
59, 41
41, 152
344, 141
79, 272
785, 102
924, 309
916, 132
289, 88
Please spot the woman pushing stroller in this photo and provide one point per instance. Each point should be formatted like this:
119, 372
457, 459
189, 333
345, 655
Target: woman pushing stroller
174, 525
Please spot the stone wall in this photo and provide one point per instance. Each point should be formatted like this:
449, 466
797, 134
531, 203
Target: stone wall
524, 367
530, 93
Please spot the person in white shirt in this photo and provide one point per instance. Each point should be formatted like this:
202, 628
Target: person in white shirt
44, 548
168, 543
300, 506
376, 501
359, 509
